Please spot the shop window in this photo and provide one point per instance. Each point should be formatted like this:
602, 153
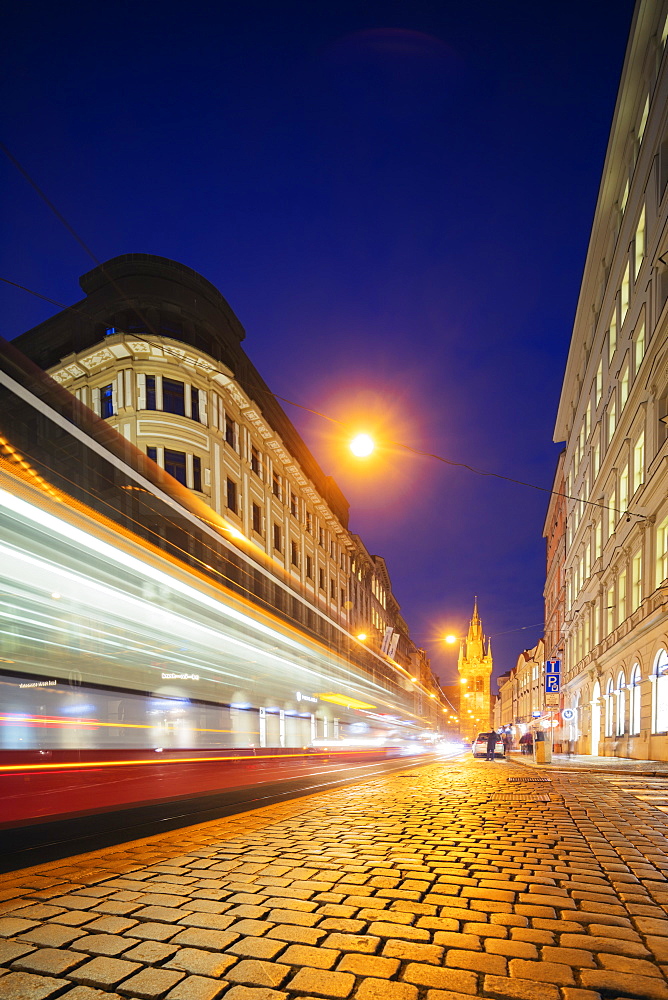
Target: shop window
609, 709
621, 704
660, 685
634, 700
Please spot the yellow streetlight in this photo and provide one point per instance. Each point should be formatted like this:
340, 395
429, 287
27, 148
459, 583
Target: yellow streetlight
362, 445
451, 639
362, 636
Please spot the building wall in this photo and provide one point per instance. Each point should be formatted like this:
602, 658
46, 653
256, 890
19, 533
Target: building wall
179, 386
612, 417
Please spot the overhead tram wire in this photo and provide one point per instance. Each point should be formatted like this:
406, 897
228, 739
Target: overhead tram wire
397, 444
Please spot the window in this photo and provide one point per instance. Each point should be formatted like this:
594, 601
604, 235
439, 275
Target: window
173, 397
660, 713
612, 512
150, 392
598, 538
610, 610
598, 384
309, 522
621, 704
321, 579
662, 552
634, 700
639, 345
321, 537
624, 387
230, 431
343, 597
621, 597
294, 504
231, 495
636, 580
612, 336
256, 516
294, 553
624, 488
624, 293
277, 537
197, 473
276, 485
194, 403
343, 561
256, 465
332, 589
639, 461
612, 418
309, 568
639, 247
175, 465
107, 401
609, 708
152, 453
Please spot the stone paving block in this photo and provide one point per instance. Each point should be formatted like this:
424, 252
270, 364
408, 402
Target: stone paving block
52, 935
544, 972
352, 942
251, 947
608, 981
413, 951
87, 993
104, 972
39, 911
252, 912
634, 966
298, 935
150, 952
154, 932
49, 961
406, 931
323, 983
316, 958
26, 986
476, 961
511, 949
293, 917
255, 993
11, 949
209, 940
253, 972
452, 939
103, 944
574, 993
596, 943
200, 963
520, 989
368, 965
9, 926
446, 979
150, 983
111, 925
197, 988
575, 957
380, 989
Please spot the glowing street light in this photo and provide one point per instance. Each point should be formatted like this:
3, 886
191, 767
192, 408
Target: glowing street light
362, 636
450, 639
362, 445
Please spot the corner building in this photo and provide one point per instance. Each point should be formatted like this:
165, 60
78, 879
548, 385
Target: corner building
155, 350
613, 418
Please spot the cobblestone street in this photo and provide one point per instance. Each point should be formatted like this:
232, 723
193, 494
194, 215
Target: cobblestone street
452, 880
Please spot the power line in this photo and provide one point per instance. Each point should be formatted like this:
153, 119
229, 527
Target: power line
396, 444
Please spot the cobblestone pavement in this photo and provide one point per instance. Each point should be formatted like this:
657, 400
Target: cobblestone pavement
562, 761
453, 880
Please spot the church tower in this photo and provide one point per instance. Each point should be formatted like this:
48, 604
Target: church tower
475, 670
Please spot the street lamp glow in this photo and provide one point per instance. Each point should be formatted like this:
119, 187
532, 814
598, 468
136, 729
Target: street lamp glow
451, 639
362, 445
362, 636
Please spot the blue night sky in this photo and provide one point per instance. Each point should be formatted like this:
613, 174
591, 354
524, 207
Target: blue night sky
394, 197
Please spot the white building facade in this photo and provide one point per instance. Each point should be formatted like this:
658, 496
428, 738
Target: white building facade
613, 417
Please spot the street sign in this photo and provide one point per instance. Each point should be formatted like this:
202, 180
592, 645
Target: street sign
568, 714
552, 699
552, 683
536, 714
553, 666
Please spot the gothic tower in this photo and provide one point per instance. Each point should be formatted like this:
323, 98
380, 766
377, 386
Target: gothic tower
475, 670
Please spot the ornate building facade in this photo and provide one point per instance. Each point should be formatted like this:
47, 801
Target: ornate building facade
475, 669
613, 418
155, 350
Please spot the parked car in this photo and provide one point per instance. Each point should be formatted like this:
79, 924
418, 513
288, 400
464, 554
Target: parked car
479, 748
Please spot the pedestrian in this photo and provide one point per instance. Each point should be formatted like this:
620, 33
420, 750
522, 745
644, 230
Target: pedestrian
492, 739
530, 743
524, 742
507, 741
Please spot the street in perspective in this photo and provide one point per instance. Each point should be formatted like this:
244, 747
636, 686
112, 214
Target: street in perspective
334, 622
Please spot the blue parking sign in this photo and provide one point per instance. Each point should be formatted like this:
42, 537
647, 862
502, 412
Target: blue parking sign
552, 683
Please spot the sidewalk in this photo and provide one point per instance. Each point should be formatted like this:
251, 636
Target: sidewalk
610, 765
453, 880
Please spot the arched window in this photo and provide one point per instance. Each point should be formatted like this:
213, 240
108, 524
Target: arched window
660, 675
609, 709
621, 703
634, 700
